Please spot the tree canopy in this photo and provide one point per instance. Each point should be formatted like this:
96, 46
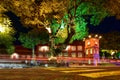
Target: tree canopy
6, 34
33, 38
113, 7
110, 41
67, 19
72, 13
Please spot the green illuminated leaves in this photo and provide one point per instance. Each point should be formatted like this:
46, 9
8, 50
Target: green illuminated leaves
51, 13
80, 30
98, 17
33, 38
61, 35
83, 9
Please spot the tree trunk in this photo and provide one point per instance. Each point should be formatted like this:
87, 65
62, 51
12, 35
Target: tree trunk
33, 53
71, 32
52, 45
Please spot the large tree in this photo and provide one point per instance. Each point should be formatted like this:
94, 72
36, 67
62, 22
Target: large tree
33, 38
68, 16
37, 14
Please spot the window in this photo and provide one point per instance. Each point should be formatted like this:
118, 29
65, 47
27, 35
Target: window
79, 48
80, 54
87, 51
28, 56
73, 48
23, 56
65, 54
60, 54
91, 51
73, 54
40, 55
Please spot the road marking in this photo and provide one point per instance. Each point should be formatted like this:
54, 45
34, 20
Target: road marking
63, 69
82, 70
100, 74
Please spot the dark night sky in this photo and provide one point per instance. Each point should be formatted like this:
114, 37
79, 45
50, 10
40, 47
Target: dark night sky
17, 26
16, 22
109, 24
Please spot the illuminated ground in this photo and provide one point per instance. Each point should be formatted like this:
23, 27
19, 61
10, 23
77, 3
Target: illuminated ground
81, 73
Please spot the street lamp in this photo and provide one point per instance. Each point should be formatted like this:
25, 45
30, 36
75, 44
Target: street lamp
96, 35
89, 36
100, 37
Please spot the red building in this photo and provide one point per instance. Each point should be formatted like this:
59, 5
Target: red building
74, 50
92, 49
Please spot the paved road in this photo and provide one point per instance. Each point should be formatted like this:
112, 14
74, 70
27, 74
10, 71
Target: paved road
92, 73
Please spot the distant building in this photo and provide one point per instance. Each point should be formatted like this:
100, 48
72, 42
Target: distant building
87, 50
76, 49
92, 50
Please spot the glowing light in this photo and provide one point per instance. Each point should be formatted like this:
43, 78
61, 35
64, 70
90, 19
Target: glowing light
88, 43
83, 39
87, 51
89, 36
14, 56
96, 35
112, 53
52, 58
49, 29
44, 48
67, 48
96, 42
100, 37
2, 29
62, 25
91, 51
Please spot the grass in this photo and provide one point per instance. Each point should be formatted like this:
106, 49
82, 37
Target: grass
81, 73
